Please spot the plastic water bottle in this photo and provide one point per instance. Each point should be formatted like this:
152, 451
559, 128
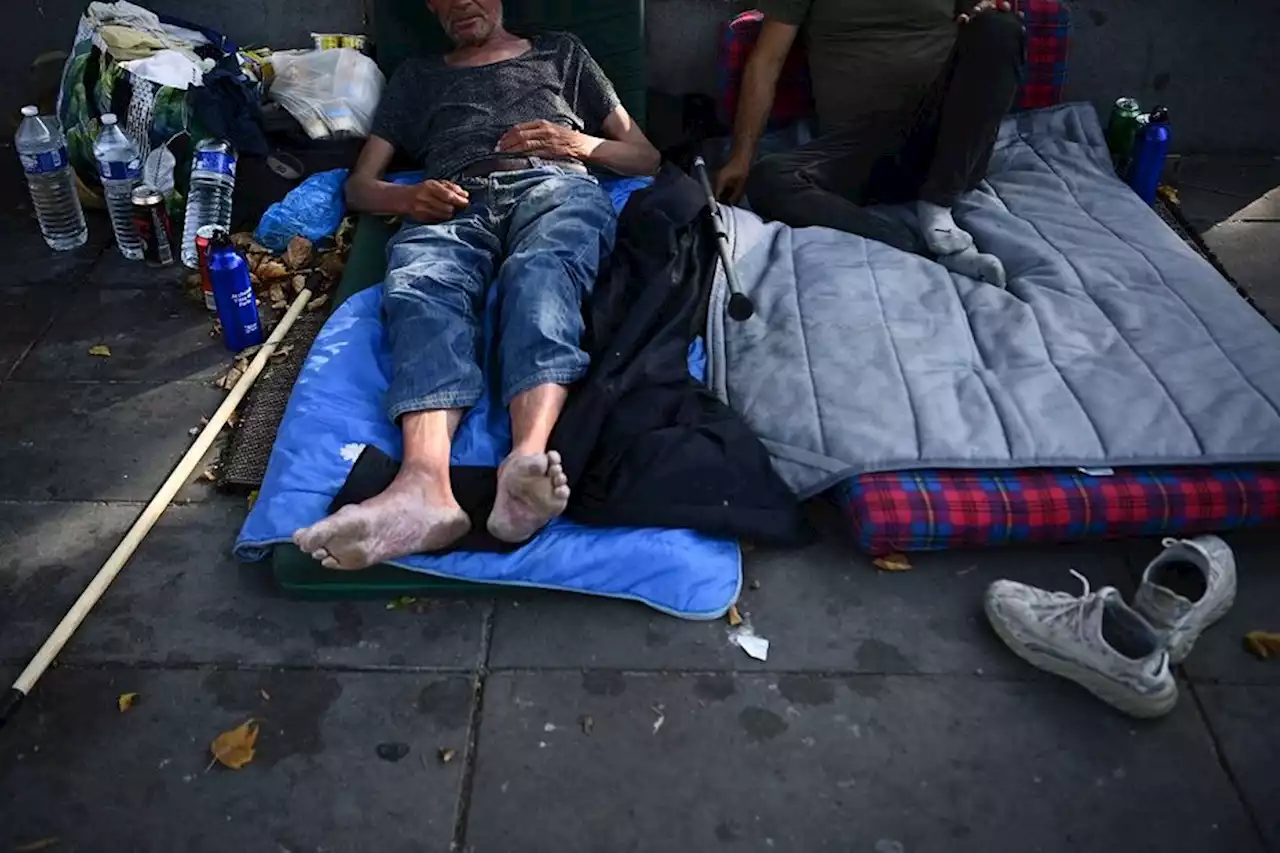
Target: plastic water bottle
1150, 150
120, 166
213, 182
43, 152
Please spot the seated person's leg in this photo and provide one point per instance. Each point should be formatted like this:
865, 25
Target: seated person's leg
824, 183
560, 233
435, 283
977, 90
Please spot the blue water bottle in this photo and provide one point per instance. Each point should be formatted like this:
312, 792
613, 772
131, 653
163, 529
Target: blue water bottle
1149, 153
233, 294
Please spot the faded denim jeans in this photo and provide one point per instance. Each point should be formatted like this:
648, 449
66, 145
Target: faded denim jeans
538, 236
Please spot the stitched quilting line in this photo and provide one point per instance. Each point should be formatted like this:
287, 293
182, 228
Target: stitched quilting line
897, 357
1147, 260
804, 336
1044, 340
973, 342
1102, 311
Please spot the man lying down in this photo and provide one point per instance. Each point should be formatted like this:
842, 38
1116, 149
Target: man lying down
504, 128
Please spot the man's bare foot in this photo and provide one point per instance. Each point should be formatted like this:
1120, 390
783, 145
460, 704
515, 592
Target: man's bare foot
532, 490
414, 515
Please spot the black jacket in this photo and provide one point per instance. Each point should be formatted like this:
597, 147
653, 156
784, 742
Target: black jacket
644, 443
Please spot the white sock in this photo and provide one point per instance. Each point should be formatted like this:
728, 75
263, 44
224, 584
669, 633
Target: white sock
941, 233
975, 264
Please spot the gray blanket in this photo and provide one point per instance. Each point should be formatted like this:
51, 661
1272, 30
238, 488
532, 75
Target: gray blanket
1115, 344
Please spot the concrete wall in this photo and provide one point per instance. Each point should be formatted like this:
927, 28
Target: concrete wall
1214, 64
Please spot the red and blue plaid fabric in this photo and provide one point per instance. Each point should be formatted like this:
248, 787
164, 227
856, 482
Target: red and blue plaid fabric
1048, 24
793, 99
936, 510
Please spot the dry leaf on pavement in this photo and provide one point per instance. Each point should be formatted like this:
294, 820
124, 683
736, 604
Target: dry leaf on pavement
892, 563
298, 253
276, 295
272, 270
236, 748
125, 701
228, 380
332, 264
1265, 645
101, 350
735, 618
318, 303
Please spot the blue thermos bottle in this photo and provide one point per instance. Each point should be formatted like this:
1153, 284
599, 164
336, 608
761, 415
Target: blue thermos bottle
1149, 152
233, 294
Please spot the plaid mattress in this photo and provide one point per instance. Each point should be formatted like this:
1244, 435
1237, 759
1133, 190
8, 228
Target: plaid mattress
793, 99
935, 510
1048, 24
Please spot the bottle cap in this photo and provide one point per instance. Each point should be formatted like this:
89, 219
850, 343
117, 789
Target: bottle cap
31, 111
108, 119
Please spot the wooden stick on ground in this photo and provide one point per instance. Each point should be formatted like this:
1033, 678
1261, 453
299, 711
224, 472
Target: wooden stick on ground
177, 478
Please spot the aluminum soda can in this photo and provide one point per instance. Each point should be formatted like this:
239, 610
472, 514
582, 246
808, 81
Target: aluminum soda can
204, 235
1122, 130
151, 218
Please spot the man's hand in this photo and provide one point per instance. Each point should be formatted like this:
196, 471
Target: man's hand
547, 139
731, 181
984, 6
436, 201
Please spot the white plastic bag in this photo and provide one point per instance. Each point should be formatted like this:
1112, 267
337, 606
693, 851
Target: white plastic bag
332, 93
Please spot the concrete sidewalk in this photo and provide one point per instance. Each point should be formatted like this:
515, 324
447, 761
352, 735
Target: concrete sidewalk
888, 718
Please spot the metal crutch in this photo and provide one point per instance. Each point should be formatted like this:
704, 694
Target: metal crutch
740, 305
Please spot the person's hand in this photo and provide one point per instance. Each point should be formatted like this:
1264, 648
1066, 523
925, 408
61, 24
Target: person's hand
731, 180
436, 201
984, 6
547, 139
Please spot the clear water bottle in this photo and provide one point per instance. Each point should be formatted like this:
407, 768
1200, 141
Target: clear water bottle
120, 166
43, 152
213, 182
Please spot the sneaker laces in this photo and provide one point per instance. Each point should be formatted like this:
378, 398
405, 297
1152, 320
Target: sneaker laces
1073, 611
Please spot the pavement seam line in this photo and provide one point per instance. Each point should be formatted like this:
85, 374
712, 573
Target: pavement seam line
1221, 755
58, 311
463, 814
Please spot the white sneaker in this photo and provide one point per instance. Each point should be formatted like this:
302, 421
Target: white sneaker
1188, 586
1094, 639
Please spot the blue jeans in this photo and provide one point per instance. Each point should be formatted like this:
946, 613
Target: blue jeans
544, 232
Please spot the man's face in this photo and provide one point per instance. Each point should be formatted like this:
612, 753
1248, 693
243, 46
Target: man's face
468, 22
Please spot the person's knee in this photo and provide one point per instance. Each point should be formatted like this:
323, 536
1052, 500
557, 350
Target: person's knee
994, 33
771, 181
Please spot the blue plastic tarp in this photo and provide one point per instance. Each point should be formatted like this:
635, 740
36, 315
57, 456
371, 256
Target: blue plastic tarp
337, 409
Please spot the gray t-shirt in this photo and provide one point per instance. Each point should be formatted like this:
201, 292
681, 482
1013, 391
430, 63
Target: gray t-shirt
448, 118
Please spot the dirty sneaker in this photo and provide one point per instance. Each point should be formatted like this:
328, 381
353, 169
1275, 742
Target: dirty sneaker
1188, 586
1094, 639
